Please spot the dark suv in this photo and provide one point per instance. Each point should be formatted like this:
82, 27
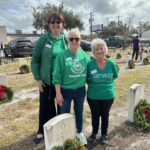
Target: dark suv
85, 45
114, 42
18, 48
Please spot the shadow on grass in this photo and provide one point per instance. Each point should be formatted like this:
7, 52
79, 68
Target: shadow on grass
26, 144
125, 130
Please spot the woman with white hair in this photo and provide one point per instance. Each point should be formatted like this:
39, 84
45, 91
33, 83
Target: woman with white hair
100, 95
69, 78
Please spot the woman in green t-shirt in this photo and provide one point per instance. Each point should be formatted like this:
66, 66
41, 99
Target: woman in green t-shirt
69, 77
100, 94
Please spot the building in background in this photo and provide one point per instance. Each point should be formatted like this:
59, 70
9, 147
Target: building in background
3, 35
146, 34
6, 37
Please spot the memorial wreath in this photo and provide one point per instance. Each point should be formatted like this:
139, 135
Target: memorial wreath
142, 116
6, 94
24, 69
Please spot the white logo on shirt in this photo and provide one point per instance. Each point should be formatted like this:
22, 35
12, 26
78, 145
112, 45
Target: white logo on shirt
69, 59
93, 71
77, 67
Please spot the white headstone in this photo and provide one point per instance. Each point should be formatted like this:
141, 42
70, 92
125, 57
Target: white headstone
58, 130
127, 58
144, 55
22, 61
3, 80
135, 95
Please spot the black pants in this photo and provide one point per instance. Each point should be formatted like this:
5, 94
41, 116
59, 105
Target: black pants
47, 109
136, 53
100, 108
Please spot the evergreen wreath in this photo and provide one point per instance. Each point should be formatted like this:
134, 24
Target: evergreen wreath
71, 144
142, 116
118, 56
6, 94
24, 69
131, 64
146, 61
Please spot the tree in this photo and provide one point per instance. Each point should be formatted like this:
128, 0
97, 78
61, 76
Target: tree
40, 15
115, 28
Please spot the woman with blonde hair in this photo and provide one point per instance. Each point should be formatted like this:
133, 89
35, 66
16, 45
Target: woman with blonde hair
101, 73
69, 78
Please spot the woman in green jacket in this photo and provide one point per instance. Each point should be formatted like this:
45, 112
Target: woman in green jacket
43, 59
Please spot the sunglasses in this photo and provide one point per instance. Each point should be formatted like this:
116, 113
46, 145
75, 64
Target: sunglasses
53, 22
74, 39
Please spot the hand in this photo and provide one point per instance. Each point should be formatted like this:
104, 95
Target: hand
59, 99
40, 85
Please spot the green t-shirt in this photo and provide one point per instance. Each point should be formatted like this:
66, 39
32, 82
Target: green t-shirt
57, 47
70, 69
101, 81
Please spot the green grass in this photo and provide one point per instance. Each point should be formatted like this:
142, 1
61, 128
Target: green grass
126, 79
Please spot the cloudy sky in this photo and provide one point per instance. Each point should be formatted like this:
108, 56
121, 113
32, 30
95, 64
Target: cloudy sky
17, 14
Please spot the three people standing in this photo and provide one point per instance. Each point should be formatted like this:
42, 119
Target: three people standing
68, 73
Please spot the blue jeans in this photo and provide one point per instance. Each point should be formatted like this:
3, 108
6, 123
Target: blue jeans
77, 95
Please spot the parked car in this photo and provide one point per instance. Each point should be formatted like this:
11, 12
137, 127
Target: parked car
85, 45
114, 42
18, 48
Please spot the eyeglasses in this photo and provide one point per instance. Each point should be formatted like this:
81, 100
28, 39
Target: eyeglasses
76, 39
53, 22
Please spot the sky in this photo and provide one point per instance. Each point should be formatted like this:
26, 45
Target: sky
17, 14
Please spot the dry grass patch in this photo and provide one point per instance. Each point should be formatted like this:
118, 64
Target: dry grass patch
16, 80
18, 122
139, 75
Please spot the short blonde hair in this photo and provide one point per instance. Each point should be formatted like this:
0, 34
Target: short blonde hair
97, 42
74, 30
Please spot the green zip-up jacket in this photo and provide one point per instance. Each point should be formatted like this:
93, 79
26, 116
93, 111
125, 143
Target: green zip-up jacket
44, 54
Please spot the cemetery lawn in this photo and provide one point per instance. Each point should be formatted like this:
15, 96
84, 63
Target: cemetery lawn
16, 80
19, 121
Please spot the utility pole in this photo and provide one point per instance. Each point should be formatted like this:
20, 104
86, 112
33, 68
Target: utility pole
91, 20
129, 27
140, 29
129, 24
118, 19
107, 21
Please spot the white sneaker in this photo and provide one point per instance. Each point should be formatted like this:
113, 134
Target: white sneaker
82, 138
